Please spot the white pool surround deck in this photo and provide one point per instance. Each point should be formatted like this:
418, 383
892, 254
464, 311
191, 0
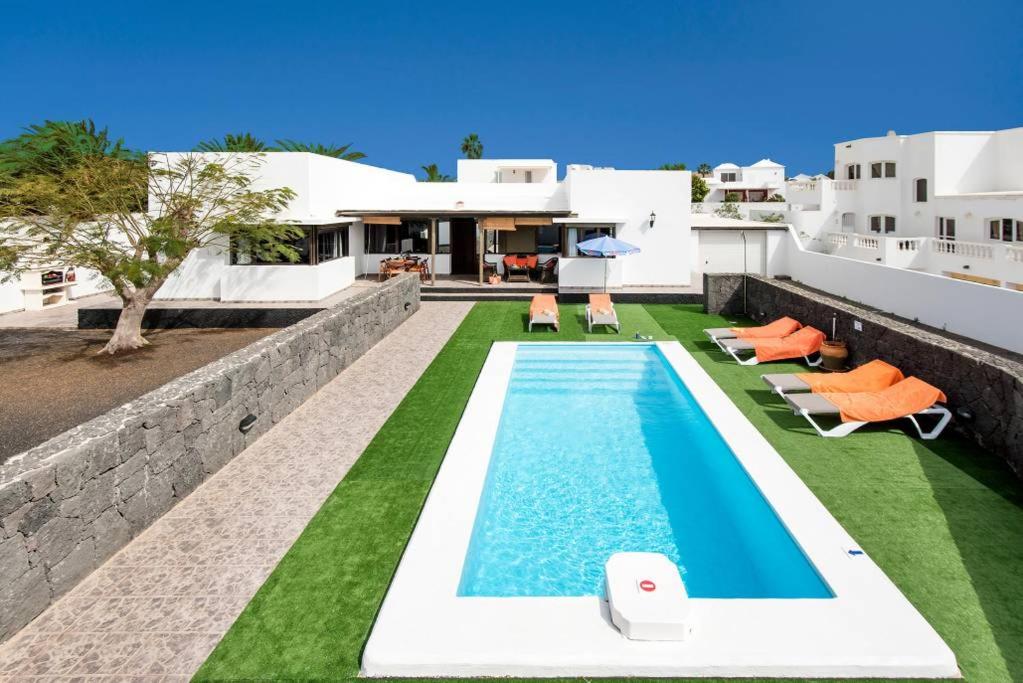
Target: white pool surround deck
869, 629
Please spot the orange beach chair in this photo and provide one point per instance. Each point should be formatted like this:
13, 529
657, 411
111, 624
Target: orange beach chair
774, 329
543, 310
601, 311
909, 398
873, 376
802, 343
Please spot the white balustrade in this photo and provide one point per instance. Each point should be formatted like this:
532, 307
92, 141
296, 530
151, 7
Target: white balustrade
864, 242
977, 250
1013, 253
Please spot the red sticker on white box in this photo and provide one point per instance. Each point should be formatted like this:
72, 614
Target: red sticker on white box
647, 585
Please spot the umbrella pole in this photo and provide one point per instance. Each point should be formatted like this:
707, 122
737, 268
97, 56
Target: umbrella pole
605, 275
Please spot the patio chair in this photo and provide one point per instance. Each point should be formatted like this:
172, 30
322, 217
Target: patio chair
873, 376
601, 311
549, 270
910, 398
802, 343
543, 310
777, 328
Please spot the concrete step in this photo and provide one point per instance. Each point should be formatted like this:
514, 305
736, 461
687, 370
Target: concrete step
428, 295
471, 289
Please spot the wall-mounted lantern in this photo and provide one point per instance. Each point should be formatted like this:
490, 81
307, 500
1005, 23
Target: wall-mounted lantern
653, 217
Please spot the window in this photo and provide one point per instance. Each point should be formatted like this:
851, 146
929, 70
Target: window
879, 222
882, 169
410, 236
331, 243
548, 239
1002, 229
920, 190
852, 172
946, 228
729, 177
529, 176
581, 234
246, 253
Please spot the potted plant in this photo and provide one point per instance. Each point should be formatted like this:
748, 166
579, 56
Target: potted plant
834, 351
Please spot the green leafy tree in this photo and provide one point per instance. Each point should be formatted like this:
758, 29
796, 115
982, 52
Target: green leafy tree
95, 215
472, 148
54, 147
433, 174
699, 188
672, 167
776, 198
337, 151
704, 169
234, 142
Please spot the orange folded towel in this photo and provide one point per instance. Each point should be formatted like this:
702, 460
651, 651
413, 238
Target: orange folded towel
909, 396
800, 343
545, 304
873, 376
601, 303
772, 330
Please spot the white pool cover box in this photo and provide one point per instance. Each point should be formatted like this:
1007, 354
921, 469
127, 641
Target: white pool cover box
647, 598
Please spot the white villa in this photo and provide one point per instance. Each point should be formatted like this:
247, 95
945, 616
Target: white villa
939, 213
756, 183
948, 203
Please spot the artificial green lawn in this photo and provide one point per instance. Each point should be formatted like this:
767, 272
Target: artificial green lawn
942, 518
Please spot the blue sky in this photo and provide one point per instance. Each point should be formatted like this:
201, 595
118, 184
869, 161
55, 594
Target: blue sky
630, 85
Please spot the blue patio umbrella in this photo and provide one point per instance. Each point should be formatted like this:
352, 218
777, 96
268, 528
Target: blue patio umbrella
606, 247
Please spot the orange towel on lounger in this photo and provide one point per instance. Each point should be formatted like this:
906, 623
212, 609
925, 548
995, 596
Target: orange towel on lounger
909, 396
798, 344
772, 330
601, 303
874, 376
543, 303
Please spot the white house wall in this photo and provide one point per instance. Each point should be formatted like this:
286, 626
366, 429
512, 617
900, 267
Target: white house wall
631, 196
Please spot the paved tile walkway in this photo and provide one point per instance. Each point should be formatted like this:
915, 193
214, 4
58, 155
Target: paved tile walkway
158, 607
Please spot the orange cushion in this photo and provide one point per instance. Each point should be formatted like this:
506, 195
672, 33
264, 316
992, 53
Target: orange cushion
778, 328
873, 376
545, 304
601, 303
798, 344
908, 397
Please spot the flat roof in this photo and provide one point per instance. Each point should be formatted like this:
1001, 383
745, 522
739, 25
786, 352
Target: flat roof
442, 213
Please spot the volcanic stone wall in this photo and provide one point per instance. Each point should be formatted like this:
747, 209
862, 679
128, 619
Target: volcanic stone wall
72, 502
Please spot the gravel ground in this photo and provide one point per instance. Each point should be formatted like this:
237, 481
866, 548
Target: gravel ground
52, 380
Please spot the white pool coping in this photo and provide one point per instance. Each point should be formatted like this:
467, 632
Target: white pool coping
869, 629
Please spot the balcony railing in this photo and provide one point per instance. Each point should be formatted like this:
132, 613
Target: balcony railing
977, 250
865, 242
909, 243
844, 185
1013, 253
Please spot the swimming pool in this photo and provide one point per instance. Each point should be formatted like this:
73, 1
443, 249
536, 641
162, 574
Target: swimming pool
620, 458
557, 461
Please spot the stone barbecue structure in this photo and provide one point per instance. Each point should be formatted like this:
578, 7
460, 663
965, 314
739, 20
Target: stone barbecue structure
984, 385
72, 502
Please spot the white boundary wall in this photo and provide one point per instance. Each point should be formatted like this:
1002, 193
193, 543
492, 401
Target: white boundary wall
988, 314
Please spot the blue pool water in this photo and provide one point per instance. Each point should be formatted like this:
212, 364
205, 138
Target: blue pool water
600, 449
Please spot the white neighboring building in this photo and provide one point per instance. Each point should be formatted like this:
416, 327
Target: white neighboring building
949, 203
756, 183
356, 215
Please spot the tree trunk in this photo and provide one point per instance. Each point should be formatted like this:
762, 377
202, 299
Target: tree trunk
128, 333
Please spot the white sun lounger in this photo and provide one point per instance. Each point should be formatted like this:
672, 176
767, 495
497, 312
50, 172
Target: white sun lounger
596, 316
815, 405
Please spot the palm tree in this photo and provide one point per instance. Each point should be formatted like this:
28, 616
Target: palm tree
433, 174
241, 142
336, 151
56, 146
672, 167
472, 148
704, 169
